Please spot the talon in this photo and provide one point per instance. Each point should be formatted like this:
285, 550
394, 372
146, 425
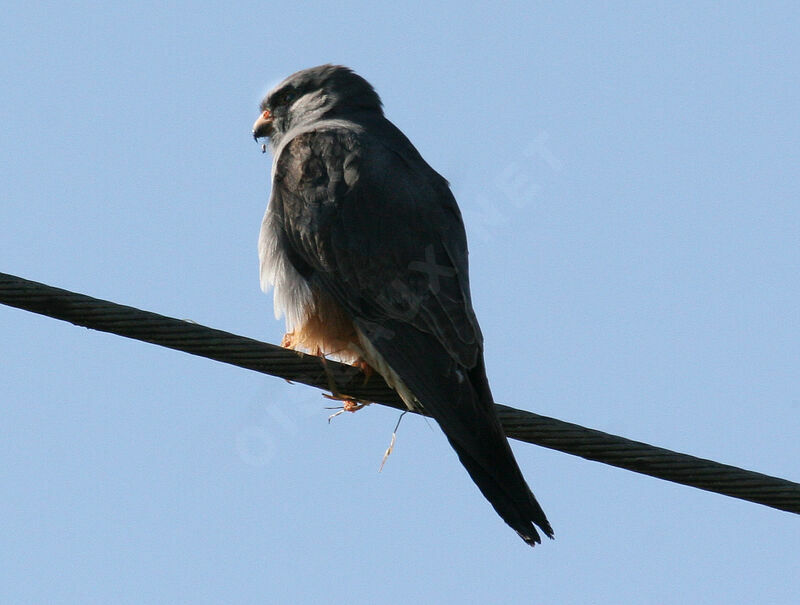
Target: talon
348, 405
351, 405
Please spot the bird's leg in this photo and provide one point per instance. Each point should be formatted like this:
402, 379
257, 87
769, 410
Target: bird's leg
349, 403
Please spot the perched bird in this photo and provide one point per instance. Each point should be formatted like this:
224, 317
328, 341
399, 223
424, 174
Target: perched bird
365, 247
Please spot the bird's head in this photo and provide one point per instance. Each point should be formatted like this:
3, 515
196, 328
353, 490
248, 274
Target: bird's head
326, 91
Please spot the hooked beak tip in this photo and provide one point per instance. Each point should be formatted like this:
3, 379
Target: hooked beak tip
263, 126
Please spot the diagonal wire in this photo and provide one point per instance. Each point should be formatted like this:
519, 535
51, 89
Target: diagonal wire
525, 426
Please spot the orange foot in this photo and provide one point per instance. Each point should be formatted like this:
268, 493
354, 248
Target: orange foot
287, 342
349, 404
290, 341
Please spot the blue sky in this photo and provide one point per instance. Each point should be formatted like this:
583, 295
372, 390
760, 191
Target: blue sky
629, 180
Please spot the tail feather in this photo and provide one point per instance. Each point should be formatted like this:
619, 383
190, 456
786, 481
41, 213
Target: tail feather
520, 511
460, 400
495, 470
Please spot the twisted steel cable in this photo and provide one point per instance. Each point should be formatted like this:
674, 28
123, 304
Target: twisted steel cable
314, 371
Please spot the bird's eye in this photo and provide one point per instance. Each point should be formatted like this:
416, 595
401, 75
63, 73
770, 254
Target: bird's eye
288, 97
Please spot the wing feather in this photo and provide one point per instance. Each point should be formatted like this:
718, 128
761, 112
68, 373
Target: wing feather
365, 219
384, 237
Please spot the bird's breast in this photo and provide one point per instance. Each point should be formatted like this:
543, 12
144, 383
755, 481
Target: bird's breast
325, 329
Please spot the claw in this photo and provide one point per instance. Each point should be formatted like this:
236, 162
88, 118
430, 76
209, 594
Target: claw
353, 405
349, 403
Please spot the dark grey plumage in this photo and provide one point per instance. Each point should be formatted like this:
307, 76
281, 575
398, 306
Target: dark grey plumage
360, 227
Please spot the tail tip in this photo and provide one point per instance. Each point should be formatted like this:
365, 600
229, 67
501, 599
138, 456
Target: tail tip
531, 537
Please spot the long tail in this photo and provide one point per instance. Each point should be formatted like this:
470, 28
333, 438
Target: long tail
461, 402
484, 451
509, 494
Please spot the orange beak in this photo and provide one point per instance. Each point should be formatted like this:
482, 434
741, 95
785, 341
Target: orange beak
263, 125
